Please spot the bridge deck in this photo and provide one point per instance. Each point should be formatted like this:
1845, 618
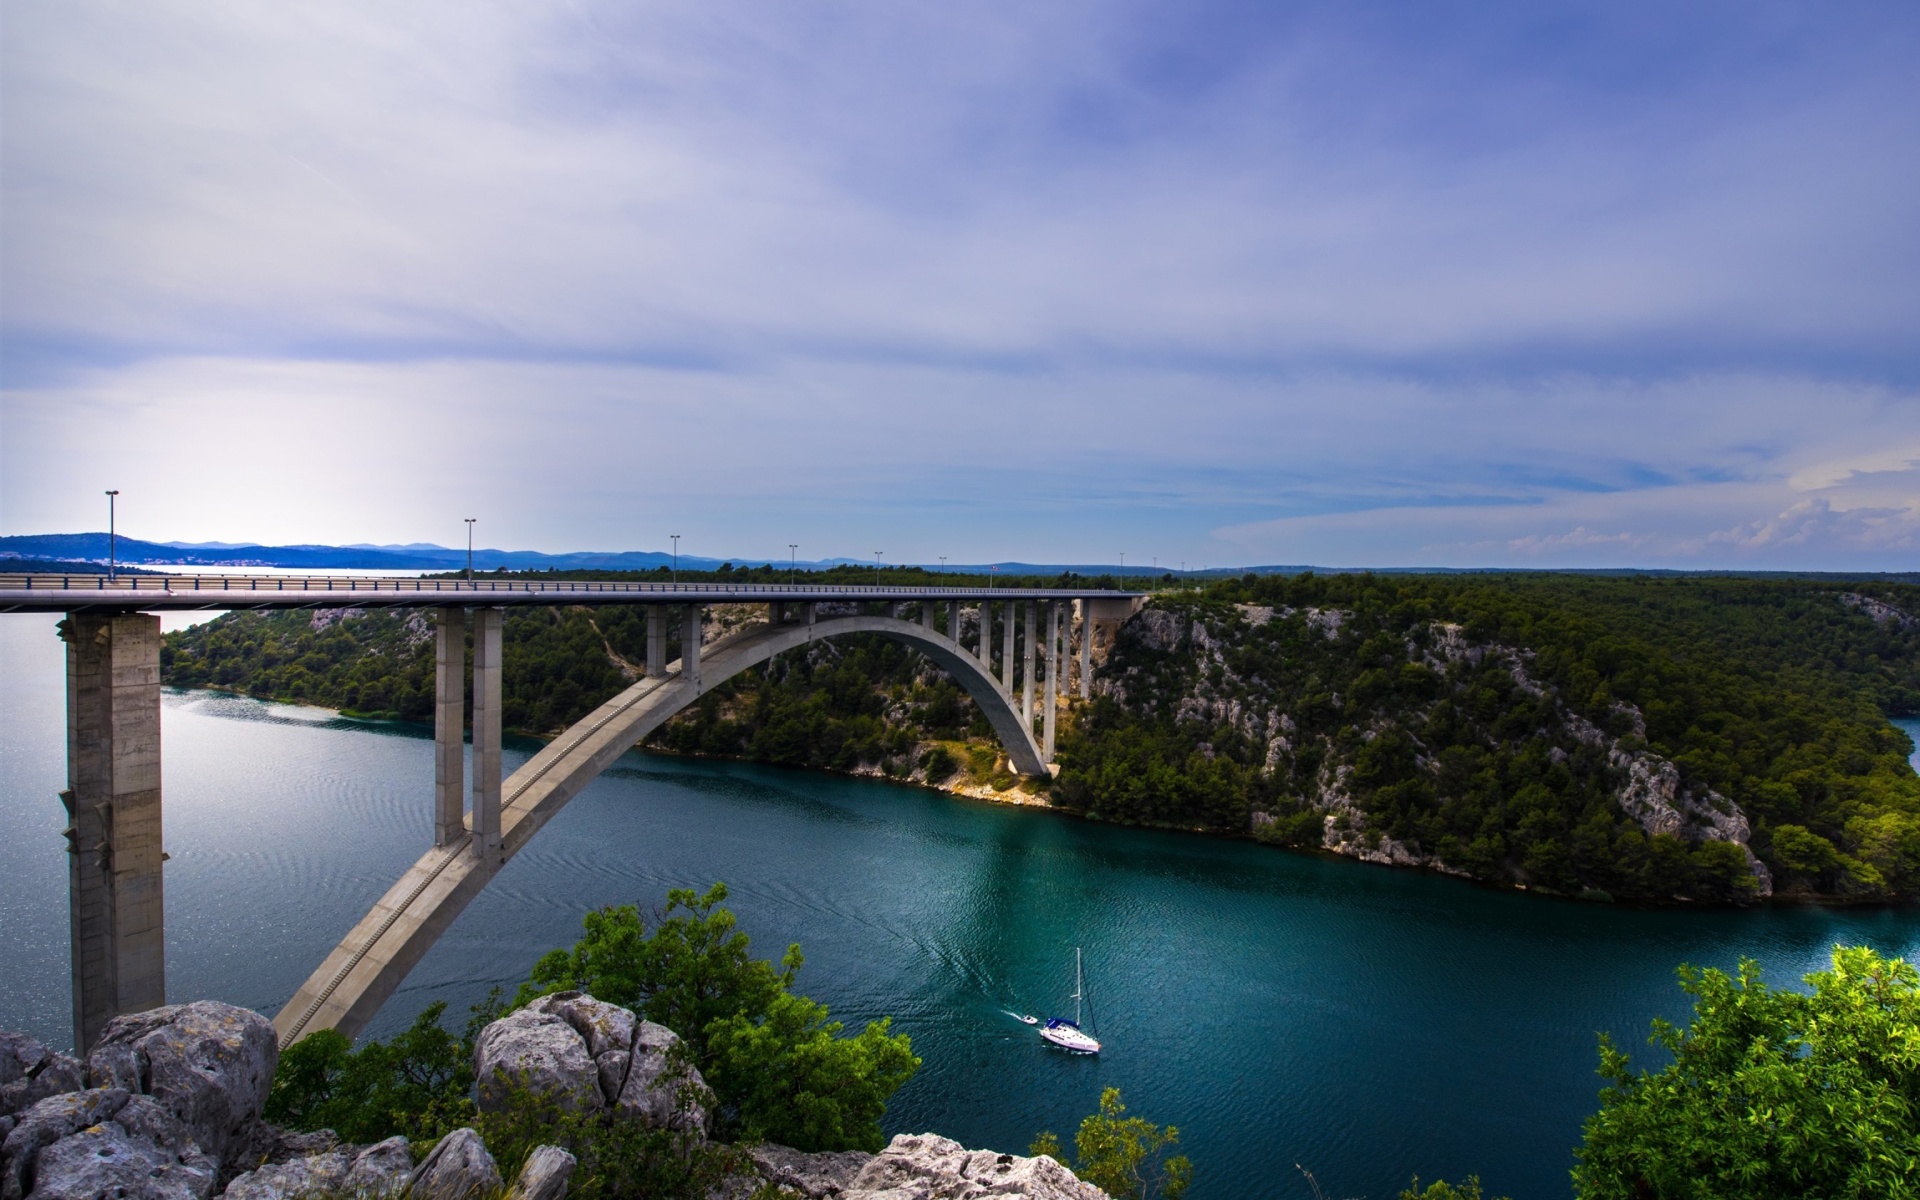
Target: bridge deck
161, 593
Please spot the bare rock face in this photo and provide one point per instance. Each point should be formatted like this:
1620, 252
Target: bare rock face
29, 1073
815, 1176
928, 1167
544, 1176
459, 1168
589, 1055
363, 1172
104, 1142
209, 1064
541, 1052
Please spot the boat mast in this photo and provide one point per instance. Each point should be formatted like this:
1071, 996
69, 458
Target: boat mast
1076, 986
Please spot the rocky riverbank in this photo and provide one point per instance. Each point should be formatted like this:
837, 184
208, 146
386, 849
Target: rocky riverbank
169, 1106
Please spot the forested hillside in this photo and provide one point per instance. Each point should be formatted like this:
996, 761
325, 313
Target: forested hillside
1707, 739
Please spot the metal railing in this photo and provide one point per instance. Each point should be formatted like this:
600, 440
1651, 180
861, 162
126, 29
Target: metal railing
176, 584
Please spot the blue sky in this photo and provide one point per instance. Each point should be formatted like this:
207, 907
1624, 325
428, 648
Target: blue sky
1375, 284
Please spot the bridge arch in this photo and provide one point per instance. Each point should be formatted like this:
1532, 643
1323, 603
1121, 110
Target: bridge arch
366, 967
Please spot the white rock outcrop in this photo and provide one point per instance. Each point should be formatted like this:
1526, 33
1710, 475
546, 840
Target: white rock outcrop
363, 1172
925, 1166
589, 1055
209, 1064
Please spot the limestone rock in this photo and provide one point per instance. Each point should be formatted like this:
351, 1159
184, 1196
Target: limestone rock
606, 1027
30, 1072
103, 1142
209, 1064
928, 1167
660, 1090
815, 1176
459, 1168
544, 1175
361, 1172
589, 1055
541, 1051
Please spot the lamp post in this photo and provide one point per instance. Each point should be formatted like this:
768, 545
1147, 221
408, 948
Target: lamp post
676, 556
993, 576
943, 564
793, 562
1123, 565
113, 570
470, 521
876, 568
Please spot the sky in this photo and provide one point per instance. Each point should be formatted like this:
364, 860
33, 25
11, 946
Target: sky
1197, 282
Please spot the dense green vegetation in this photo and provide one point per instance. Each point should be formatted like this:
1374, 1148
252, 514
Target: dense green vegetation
1488, 725
1475, 720
1770, 1093
1126, 1157
776, 1064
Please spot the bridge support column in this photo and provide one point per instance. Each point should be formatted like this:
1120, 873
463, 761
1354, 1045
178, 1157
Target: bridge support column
1026, 664
487, 645
1006, 651
1049, 717
113, 802
449, 727
776, 612
953, 621
690, 645
1086, 649
986, 636
656, 641
926, 615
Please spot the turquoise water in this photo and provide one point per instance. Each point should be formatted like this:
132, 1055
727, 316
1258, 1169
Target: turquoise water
1365, 1022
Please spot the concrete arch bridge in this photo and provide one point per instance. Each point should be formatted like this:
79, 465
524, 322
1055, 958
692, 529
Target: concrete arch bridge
113, 740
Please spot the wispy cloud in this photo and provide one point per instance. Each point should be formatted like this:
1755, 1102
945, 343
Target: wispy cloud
994, 279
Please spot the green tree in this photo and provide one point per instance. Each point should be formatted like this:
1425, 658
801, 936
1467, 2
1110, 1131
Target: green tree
1770, 1094
778, 1068
1124, 1156
695, 968
792, 1079
419, 1084
1440, 1189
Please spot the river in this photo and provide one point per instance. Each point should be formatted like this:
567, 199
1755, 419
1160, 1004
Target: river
1367, 1023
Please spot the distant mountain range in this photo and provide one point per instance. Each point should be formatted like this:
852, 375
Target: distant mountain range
426, 556
62, 551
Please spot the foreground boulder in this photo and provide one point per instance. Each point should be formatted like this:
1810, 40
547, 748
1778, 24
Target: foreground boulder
459, 1168
29, 1073
103, 1142
544, 1176
365, 1173
209, 1064
925, 1166
589, 1056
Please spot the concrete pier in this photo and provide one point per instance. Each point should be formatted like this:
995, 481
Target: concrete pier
1086, 649
926, 615
113, 802
1049, 717
1006, 651
656, 641
690, 645
953, 621
487, 646
1026, 670
450, 727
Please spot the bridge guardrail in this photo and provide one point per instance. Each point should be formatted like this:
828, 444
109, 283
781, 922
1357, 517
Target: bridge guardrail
174, 584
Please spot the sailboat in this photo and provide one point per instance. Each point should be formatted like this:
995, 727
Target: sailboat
1067, 1034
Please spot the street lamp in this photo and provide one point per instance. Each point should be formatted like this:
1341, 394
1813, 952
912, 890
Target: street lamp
112, 564
876, 568
470, 521
793, 562
993, 575
943, 564
676, 556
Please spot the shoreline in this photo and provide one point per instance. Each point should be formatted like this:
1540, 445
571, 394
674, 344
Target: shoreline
1013, 796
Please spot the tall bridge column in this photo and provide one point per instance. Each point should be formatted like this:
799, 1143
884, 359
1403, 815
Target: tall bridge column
449, 727
926, 615
1051, 714
1006, 651
986, 636
1086, 649
953, 621
486, 731
690, 644
656, 641
1026, 664
113, 800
